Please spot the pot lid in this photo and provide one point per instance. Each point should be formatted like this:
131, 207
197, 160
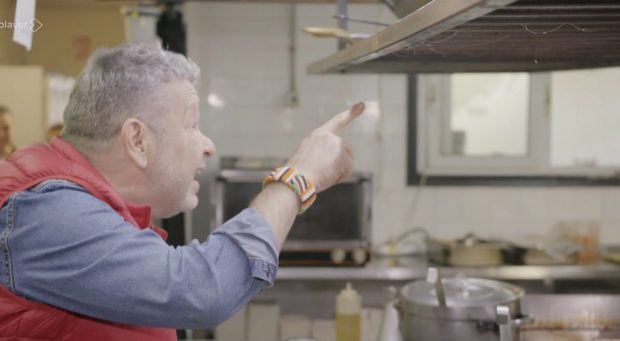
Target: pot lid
461, 292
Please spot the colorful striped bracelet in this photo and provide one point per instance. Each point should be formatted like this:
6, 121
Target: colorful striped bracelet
302, 186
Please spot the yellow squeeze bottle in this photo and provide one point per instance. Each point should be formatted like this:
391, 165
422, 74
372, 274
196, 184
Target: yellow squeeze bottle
348, 308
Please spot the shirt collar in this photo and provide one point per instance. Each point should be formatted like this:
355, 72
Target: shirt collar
141, 213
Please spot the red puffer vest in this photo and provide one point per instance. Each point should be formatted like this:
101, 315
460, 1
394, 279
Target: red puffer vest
21, 319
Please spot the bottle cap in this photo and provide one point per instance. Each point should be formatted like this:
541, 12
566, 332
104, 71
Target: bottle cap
348, 301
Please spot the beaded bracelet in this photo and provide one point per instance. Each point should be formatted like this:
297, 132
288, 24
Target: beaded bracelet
302, 186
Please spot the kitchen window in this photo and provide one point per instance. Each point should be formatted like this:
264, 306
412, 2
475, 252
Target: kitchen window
515, 128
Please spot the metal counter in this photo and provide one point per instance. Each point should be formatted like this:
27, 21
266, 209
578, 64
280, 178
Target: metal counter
405, 269
310, 291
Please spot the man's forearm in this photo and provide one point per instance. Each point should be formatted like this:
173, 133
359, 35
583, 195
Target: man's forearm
323, 157
279, 205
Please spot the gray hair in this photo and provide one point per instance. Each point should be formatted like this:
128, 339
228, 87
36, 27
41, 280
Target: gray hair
119, 83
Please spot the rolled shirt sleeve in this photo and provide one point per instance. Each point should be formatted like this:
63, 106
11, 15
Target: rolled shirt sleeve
66, 248
254, 235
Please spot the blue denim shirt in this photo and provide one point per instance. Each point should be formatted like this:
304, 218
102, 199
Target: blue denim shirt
61, 246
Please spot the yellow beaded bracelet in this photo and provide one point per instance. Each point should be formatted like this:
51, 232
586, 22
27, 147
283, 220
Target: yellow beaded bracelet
302, 186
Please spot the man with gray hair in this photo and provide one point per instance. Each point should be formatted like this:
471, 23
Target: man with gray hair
79, 257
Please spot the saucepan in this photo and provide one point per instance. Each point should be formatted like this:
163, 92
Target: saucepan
475, 309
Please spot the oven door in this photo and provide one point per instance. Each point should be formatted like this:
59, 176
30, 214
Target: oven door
340, 218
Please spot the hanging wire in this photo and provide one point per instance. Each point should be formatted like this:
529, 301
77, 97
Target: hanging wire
452, 35
435, 46
558, 28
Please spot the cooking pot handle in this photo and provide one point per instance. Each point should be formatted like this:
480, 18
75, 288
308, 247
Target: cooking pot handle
506, 323
524, 319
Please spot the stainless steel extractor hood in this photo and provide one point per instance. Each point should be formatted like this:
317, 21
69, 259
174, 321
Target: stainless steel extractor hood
488, 35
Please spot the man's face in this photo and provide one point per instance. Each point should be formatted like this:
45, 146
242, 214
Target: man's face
181, 152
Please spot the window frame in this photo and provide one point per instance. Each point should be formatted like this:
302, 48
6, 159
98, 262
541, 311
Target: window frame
530, 172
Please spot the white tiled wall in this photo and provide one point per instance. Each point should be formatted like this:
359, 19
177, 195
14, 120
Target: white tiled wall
243, 51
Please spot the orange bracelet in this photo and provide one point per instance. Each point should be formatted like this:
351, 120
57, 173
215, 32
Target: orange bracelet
294, 179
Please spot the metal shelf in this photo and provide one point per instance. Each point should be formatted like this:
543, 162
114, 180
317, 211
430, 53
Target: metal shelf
488, 35
416, 268
539, 272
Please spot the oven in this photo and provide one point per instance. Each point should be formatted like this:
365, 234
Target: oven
334, 231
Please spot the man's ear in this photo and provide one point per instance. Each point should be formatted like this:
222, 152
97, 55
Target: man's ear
136, 140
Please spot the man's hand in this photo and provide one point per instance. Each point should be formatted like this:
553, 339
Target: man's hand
324, 157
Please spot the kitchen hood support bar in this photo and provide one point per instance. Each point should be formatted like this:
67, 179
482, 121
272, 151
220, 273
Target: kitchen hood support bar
342, 21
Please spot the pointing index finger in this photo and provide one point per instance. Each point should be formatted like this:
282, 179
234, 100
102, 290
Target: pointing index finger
338, 122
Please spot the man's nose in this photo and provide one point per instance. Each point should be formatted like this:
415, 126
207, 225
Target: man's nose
209, 147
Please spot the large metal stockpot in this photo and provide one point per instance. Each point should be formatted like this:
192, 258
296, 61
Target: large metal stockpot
470, 312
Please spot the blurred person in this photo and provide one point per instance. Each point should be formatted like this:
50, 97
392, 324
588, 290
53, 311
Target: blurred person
6, 141
79, 256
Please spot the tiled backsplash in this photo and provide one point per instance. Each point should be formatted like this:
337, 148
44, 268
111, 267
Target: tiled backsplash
243, 51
